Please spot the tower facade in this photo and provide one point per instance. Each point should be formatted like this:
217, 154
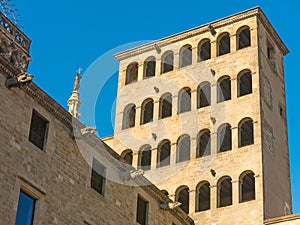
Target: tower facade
202, 112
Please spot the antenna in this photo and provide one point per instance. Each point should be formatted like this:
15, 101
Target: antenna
11, 12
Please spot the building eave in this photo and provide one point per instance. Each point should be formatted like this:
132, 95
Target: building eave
204, 29
272, 32
282, 219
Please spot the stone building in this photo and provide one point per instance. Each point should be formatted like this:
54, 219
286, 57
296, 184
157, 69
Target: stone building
203, 113
53, 170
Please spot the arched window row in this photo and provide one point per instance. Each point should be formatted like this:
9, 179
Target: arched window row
243, 40
203, 145
184, 103
224, 192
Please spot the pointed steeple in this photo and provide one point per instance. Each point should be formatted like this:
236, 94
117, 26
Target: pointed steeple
74, 100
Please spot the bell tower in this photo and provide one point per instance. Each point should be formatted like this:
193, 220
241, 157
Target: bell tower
202, 112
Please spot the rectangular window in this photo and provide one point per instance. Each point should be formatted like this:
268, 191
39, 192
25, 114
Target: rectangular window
25, 211
38, 130
98, 177
142, 211
271, 53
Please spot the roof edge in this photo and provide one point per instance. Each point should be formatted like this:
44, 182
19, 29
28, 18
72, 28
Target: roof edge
282, 219
256, 11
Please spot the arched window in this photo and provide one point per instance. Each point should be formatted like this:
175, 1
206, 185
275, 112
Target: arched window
223, 44
244, 83
203, 196
145, 157
247, 186
204, 50
184, 100
224, 192
183, 148
246, 136
165, 106
224, 138
243, 37
147, 111
183, 196
127, 156
204, 95
185, 56
163, 153
131, 73
203, 143
224, 89
149, 67
128, 116
167, 62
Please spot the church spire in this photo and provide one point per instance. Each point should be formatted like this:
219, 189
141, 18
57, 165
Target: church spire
74, 100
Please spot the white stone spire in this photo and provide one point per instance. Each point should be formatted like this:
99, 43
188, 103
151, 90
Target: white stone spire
74, 100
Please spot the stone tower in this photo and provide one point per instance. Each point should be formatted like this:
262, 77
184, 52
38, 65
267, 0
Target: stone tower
202, 112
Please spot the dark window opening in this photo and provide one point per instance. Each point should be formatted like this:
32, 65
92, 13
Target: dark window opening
224, 138
98, 177
186, 56
244, 39
225, 193
127, 156
149, 67
184, 198
204, 96
184, 100
147, 112
142, 211
183, 149
281, 112
163, 152
245, 84
203, 144
129, 117
247, 187
167, 63
224, 90
224, 45
203, 197
131, 73
145, 158
271, 53
38, 130
246, 136
204, 51
165, 107
25, 211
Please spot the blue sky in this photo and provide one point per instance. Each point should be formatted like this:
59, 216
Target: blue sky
73, 33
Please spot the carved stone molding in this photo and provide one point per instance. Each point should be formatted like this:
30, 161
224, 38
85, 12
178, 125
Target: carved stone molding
205, 29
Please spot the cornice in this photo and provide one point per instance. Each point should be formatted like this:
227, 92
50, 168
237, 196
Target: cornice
8, 70
107, 138
282, 219
204, 29
50, 104
266, 23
